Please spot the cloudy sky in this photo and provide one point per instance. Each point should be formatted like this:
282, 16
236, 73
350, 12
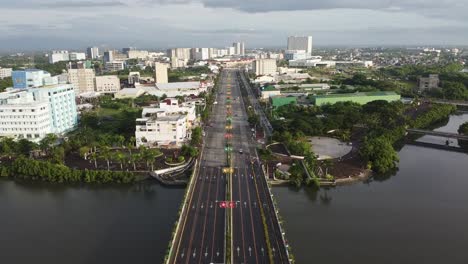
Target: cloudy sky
54, 24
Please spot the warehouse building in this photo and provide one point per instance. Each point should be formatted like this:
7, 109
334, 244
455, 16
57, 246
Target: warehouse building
360, 98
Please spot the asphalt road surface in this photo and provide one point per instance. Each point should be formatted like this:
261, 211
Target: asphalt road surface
201, 236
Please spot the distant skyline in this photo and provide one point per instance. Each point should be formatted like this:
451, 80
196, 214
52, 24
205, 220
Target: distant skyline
161, 24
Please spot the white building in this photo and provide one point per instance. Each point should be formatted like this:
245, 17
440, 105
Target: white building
161, 72
178, 63
239, 48
202, 54
180, 53
36, 112
5, 72
295, 55
58, 55
82, 80
134, 77
107, 84
179, 89
137, 54
63, 55
300, 43
264, 67
113, 66
77, 56
170, 123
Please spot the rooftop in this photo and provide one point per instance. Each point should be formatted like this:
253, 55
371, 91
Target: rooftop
381, 93
178, 85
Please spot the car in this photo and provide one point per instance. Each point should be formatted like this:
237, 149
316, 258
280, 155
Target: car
241, 151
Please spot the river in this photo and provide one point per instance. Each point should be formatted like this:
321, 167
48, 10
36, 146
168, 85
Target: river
419, 215
43, 223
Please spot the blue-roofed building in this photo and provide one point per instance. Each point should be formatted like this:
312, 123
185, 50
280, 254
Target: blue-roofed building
29, 78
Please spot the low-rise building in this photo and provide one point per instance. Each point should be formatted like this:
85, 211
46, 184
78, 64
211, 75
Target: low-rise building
179, 89
5, 72
113, 66
279, 101
107, 84
270, 91
431, 82
360, 98
170, 123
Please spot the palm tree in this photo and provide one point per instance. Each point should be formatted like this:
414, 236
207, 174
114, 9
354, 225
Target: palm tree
106, 154
133, 159
120, 157
94, 158
47, 142
120, 140
131, 144
84, 152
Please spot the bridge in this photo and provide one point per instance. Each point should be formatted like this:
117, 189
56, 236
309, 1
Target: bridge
452, 102
437, 133
228, 215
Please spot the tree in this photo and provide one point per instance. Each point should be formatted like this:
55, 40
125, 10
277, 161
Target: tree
47, 142
379, 154
196, 136
57, 155
106, 155
131, 144
84, 152
120, 158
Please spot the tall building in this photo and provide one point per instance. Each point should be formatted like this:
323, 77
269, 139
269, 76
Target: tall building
92, 53
242, 49
265, 67
300, 43
5, 72
180, 53
239, 48
82, 80
34, 113
108, 56
161, 73
107, 84
29, 78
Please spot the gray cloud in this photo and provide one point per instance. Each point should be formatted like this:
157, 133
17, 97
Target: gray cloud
85, 4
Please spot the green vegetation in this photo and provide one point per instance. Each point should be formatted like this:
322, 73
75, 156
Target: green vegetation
436, 113
385, 123
5, 83
23, 168
463, 130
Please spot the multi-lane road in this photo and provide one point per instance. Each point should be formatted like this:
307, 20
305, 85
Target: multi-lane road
255, 235
202, 228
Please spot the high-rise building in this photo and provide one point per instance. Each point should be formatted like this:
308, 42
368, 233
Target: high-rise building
161, 72
180, 53
300, 43
82, 80
239, 48
265, 67
33, 113
108, 56
92, 52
